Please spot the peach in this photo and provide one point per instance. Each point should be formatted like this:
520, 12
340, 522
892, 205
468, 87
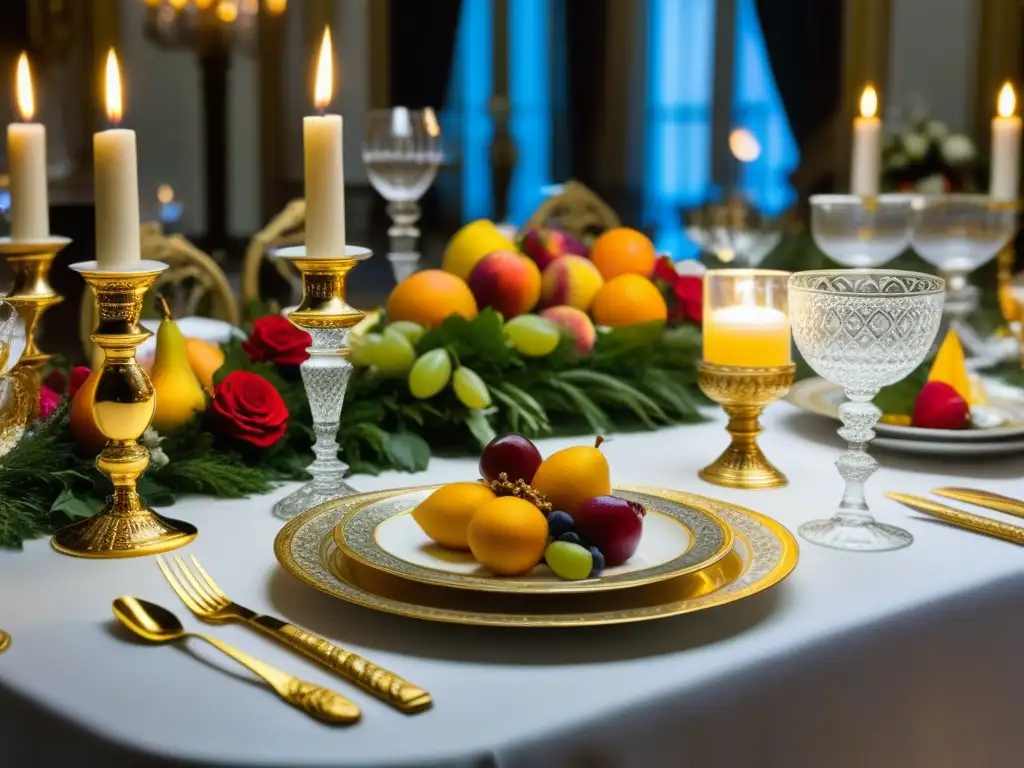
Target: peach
506, 281
570, 280
576, 322
545, 245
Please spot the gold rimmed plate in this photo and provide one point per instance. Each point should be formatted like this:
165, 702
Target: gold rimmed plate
819, 396
763, 554
677, 539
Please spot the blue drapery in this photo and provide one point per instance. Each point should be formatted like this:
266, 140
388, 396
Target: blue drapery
676, 111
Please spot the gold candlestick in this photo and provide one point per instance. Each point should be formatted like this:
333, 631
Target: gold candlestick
743, 393
31, 295
123, 409
328, 318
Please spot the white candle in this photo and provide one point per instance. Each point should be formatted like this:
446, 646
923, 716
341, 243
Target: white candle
1004, 183
325, 178
26, 161
118, 244
866, 162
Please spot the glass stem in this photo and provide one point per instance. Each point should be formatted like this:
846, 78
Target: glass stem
325, 375
403, 232
859, 416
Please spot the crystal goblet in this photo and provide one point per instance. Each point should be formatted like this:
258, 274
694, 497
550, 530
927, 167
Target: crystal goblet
863, 329
860, 231
957, 234
735, 232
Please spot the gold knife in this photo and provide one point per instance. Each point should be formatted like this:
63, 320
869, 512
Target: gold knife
986, 499
961, 519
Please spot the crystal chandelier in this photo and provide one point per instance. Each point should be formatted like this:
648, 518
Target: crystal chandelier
191, 23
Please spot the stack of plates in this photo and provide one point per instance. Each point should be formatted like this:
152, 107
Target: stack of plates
695, 553
822, 397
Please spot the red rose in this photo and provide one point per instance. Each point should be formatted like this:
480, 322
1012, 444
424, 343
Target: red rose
275, 340
48, 401
689, 292
78, 376
247, 407
665, 270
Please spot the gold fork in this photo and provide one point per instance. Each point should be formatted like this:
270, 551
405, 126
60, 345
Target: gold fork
205, 599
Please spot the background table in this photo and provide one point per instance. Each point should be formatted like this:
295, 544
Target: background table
909, 658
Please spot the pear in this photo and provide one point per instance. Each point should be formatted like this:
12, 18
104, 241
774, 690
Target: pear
179, 395
571, 476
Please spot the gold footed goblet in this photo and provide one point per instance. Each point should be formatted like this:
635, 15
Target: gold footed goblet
328, 318
743, 394
123, 409
31, 295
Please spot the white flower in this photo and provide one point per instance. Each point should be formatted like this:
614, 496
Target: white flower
957, 149
931, 185
898, 160
936, 129
151, 440
915, 145
690, 268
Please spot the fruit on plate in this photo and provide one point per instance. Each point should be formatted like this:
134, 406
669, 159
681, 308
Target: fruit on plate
612, 524
84, 431
470, 388
940, 406
623, 251
544, 245
571, 476
412, 331
576, 323
627, 300
508, 535
428, 297
393, 355
506, 281
570, 280
950, 367
571, 562
430, 373
533, 335
511, 454
470, 244
179, 395
446, 513
205, 358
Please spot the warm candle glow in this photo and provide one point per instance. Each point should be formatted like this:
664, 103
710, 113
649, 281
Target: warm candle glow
227, 11
115, 108
322, 90
1006, 104
165, 194
26, 98
744, 146
869, 102
275, 7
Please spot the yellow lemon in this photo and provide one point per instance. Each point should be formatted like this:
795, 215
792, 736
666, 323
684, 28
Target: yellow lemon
445, 514
508, 535
470, 244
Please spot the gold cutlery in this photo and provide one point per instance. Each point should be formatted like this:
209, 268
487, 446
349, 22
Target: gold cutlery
986, 499
158, 625
206, 600
5, 641
961, 519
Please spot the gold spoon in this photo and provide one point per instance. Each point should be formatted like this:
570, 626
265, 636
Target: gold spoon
158, 625
5, 641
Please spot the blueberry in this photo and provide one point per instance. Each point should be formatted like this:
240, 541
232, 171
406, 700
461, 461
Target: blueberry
571, 537
598, 562
559, 523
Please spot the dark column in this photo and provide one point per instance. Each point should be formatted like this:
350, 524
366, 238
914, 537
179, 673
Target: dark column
213, 69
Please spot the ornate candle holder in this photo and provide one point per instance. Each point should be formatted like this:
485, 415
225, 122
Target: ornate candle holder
31, 295
328, 318
743, 394
123, 409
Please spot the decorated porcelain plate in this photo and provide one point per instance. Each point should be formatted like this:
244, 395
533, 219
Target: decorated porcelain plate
822, 397
677, 539
763, 553
963, 448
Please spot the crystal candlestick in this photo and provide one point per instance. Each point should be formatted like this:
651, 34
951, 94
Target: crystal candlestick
122, 409
328, 318
863, 329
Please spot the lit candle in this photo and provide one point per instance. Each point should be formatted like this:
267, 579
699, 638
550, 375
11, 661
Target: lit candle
865, 171
745, 335
1006, 129
325, 179
118, 244
26, 159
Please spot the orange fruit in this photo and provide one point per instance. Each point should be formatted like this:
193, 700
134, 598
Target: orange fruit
623, 251
446, 513
428, 297
628, 299
508, 535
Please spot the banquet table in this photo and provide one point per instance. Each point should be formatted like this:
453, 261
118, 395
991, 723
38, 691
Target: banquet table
909, 658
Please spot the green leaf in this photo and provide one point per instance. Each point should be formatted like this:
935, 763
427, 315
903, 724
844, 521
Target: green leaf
898, 399
605, 388
587, 408
74, 507
479, 427
408, 451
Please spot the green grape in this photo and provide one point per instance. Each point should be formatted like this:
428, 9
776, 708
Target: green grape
364, 349
393, 355
569, 561
430, 373
532, 335
470, 388
412, 331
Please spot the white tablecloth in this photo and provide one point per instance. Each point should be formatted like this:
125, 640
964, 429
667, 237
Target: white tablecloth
910, 658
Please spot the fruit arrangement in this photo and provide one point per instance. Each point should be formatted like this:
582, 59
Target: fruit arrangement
527, 510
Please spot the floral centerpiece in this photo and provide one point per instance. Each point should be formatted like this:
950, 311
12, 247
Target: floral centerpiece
926, 157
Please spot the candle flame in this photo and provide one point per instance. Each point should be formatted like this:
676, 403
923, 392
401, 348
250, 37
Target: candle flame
165, 194
115, 106
322, 90
26, 98
869, 102
1006, 104
744, 146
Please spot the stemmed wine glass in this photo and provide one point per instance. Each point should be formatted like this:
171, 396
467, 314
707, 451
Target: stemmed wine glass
863, 329
861, 232
402, 152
